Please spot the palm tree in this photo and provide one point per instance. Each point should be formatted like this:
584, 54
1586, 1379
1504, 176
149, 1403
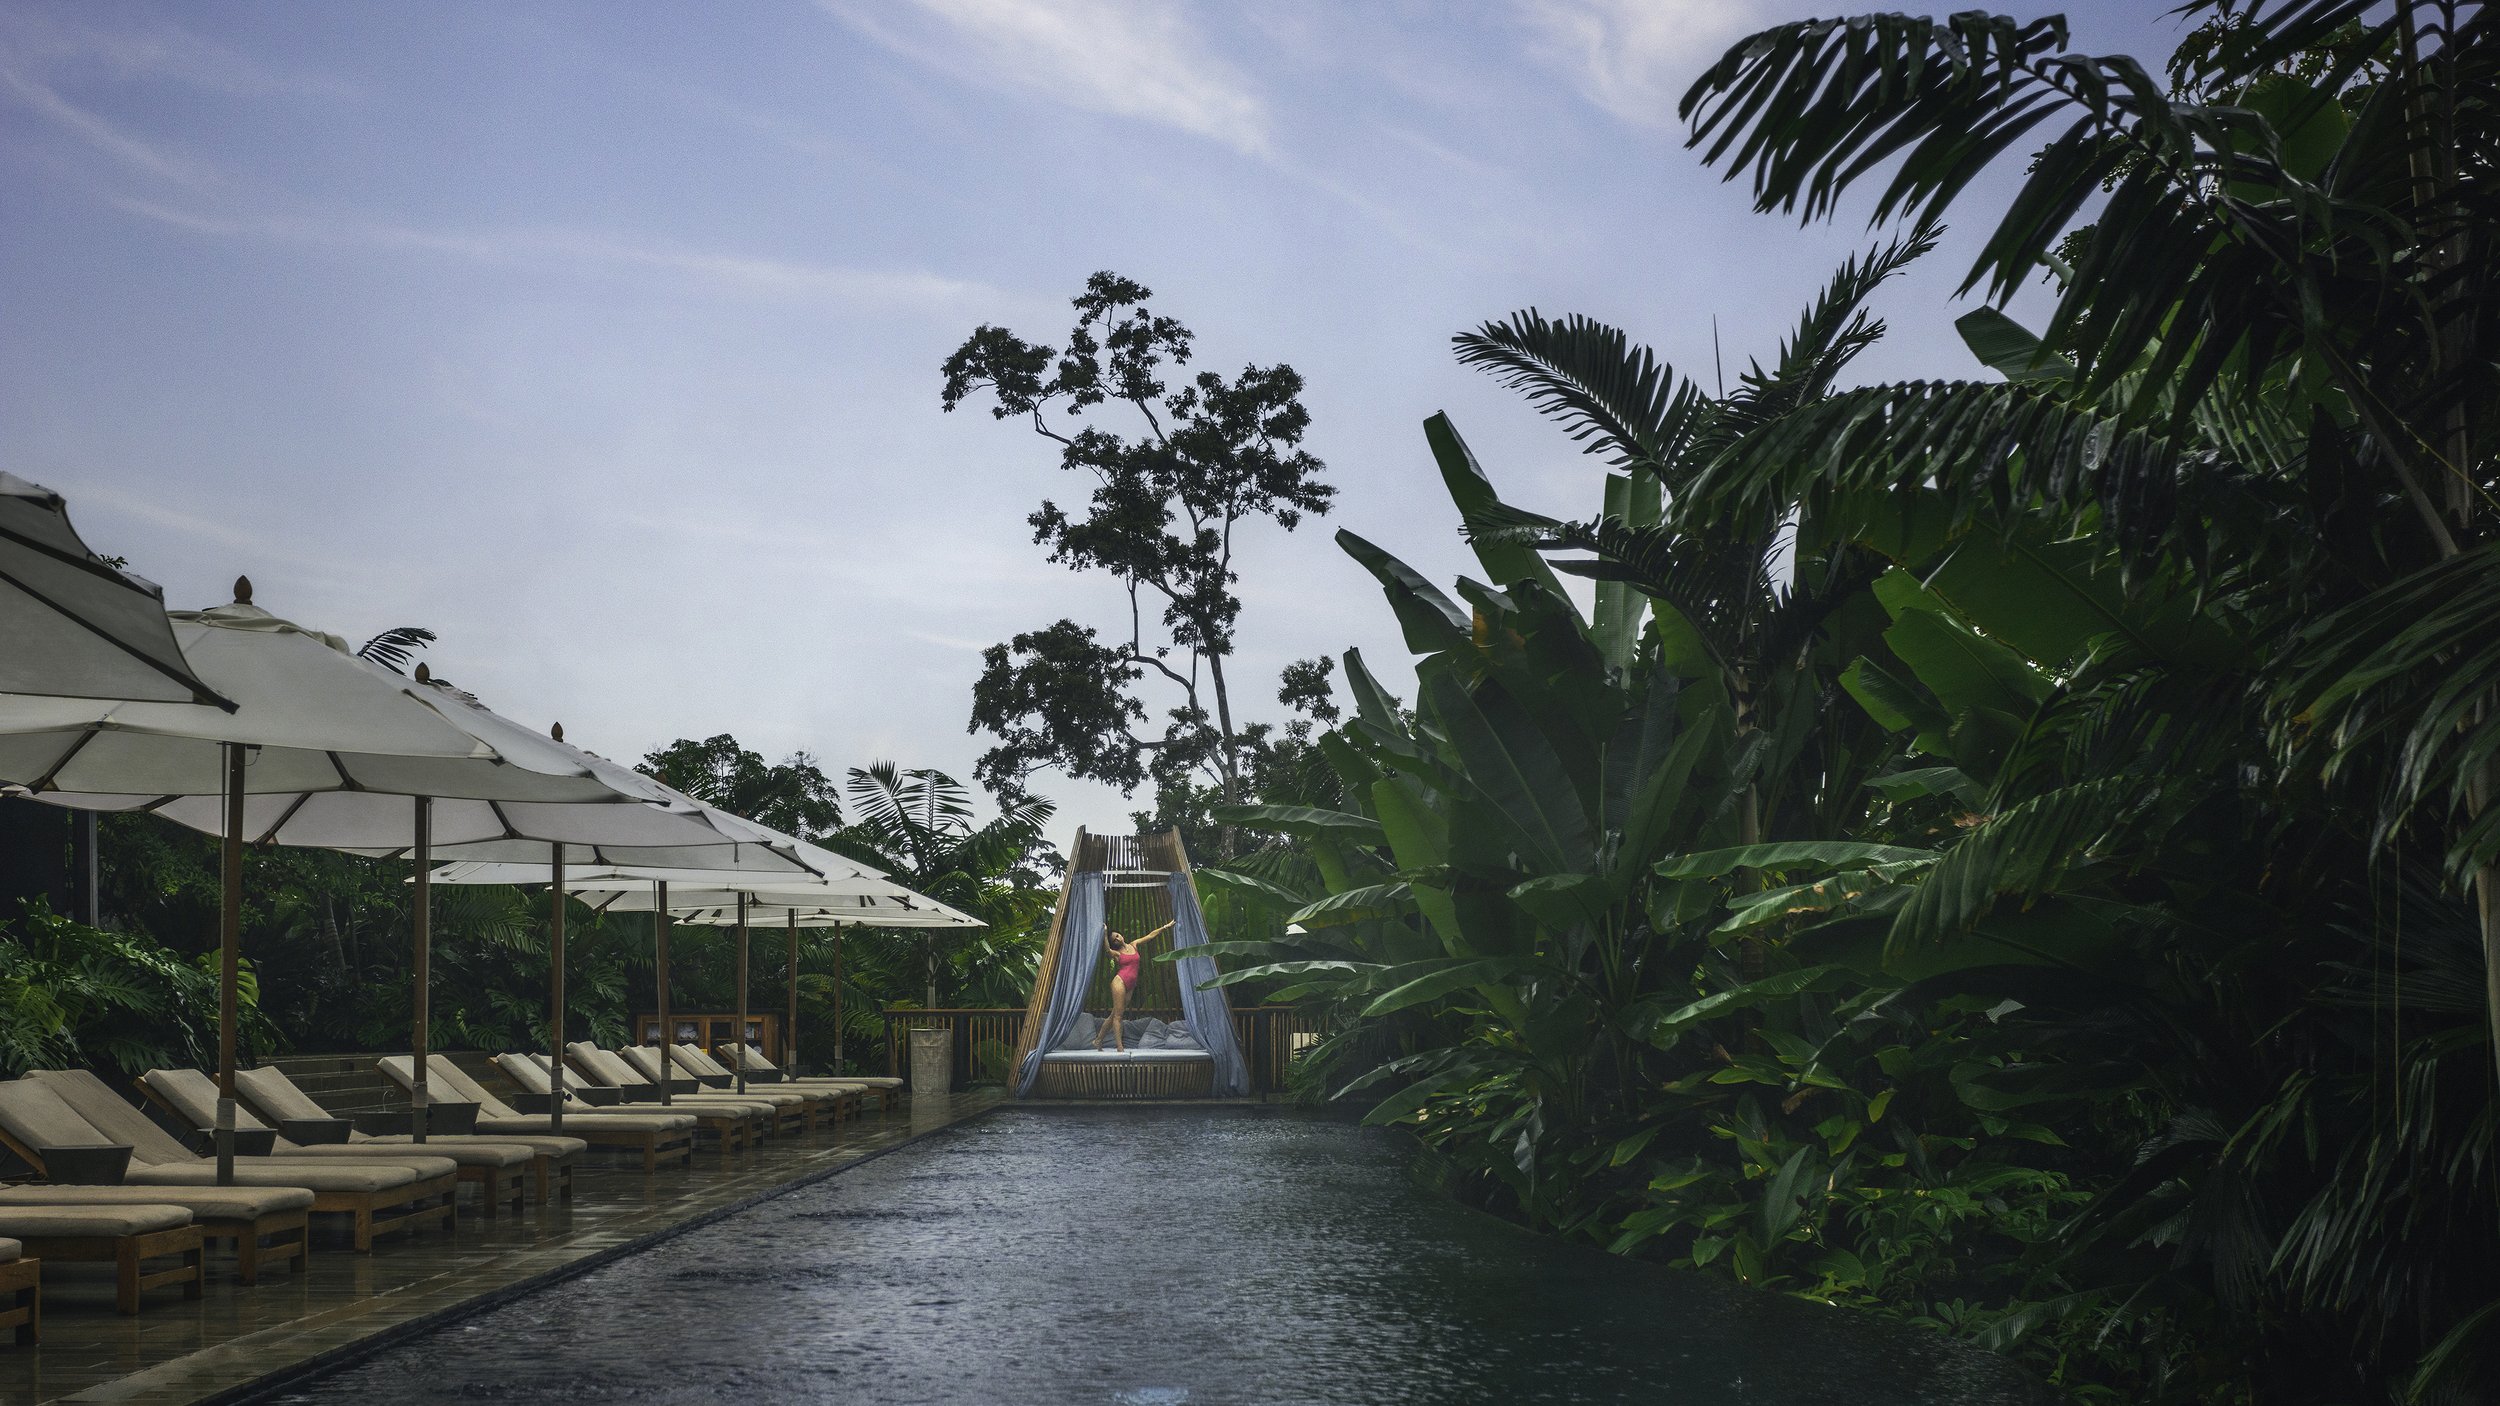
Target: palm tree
919, 826
2274, 339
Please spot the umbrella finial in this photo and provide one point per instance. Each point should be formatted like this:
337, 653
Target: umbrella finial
243, 590
556, 731
424, 674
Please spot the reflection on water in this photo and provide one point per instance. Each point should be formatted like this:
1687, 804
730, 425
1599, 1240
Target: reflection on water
1153, 1258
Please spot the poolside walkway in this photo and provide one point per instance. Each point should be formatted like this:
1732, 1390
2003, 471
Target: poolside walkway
177, 1353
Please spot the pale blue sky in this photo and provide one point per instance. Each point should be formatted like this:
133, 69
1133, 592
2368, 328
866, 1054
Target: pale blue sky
603, 337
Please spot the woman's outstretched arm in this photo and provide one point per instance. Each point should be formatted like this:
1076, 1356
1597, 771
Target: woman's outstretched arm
1158, 932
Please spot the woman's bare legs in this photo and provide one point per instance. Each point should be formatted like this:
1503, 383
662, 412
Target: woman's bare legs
1119, 1010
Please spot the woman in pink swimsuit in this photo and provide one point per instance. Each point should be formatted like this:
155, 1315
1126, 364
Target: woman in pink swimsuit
1123, 981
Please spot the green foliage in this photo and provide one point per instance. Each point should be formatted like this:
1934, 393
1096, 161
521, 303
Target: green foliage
2034, 911
72, 996
794, 797
1212, 456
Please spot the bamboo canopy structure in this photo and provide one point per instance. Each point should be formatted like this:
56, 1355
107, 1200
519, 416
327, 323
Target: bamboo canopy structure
1130, 884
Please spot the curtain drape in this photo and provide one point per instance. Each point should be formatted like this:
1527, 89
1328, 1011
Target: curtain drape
1210, 1015
1080, 949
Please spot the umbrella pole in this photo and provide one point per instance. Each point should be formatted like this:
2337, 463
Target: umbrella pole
229, 953
741, 1037
555, 984
420, 1094
790, 1029
837, 1003
659, 953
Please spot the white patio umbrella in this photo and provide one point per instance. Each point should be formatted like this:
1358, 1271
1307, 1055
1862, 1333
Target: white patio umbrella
798, 912
71, 623
325, 749
843, 892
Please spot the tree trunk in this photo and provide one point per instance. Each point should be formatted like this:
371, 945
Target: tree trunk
1231, 780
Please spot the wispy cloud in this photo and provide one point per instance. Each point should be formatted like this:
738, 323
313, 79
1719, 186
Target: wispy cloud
578, 250
1634, 57
33, 38
1141, 61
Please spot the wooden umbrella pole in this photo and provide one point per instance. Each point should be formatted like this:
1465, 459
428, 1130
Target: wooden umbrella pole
420, 1099
555, 984
790, 1026
837, 1002
229, 955
659, 960
740, 1071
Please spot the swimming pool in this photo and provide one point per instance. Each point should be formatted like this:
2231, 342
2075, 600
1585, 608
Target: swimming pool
1152, 1257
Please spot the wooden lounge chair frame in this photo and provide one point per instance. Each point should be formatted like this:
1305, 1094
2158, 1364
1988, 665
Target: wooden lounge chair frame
21, 1298
728, 1129
552, 1170
656, 1145
288, 1233
803, 1114
128, 1254
760, 1070
425, 1201
495, 1185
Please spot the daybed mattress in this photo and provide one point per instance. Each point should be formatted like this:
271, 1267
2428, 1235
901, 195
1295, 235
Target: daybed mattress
1126, 1056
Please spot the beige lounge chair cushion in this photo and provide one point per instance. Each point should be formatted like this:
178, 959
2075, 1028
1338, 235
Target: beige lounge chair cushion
643, 1060
34, 1115
337, 1174
193, 1097
110, 1114
11, 1252
277, 1096
496, 1116
223, 1202
755, 1063
605, 1066
55, 1222
531, 1144
530, 1072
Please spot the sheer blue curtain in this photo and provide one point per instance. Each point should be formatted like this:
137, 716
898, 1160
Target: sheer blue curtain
1080, 949
1210, 1015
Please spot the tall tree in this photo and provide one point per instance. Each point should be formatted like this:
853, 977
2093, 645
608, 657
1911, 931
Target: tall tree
794, 796
1209, 456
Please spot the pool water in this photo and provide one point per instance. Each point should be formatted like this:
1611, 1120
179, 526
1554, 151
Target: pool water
1151, 1257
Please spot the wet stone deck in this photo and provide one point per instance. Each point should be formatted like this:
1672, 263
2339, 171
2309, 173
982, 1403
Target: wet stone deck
176, 1352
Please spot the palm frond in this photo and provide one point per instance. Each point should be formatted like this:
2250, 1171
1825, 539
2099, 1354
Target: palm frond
393, 648
1613, 398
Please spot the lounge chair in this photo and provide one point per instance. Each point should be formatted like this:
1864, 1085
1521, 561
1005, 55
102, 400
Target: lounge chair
758, 1067
811, 1107
773, 1114
378, 1198
276, 1099
21, 1292
659, 1137
499, 1171
730, 1126
124, 1236
246, 1215
837, 1100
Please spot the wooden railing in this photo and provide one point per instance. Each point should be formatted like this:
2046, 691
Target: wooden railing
1271, 1039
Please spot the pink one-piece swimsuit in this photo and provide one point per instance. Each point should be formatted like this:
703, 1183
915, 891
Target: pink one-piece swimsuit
1127, 974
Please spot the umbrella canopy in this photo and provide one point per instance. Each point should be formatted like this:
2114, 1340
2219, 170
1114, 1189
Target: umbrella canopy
843, 893
328, 750
719, 907
74, 624
310, 714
